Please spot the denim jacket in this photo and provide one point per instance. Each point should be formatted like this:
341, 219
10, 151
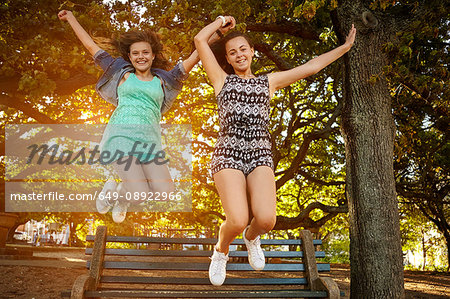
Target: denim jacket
115, 68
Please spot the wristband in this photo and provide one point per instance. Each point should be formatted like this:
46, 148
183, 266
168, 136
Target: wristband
220, 34
223, 20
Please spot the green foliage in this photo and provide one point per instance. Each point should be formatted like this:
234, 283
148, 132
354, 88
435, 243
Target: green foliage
336, 241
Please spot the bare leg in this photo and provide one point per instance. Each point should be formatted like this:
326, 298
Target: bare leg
158, 177
133, 179
231, 185
262, 190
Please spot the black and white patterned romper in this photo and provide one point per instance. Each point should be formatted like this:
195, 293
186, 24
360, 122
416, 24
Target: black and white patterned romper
244, 141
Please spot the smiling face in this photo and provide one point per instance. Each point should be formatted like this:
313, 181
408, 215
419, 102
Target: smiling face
141, 56
239, 54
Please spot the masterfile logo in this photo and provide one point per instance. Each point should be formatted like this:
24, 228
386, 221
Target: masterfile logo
62, 168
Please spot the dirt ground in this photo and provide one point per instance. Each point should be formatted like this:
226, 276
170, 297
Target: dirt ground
51, 271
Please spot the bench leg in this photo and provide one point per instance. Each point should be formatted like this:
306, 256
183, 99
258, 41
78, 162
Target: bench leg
79, 286
328, 284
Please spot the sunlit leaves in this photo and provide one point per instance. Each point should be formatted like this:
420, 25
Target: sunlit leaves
307, 9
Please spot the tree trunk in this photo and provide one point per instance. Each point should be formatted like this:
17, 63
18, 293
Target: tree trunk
368, 129
443, 227
448, 254
447, 243
424, 251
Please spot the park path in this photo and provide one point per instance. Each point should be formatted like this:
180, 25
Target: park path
44, 263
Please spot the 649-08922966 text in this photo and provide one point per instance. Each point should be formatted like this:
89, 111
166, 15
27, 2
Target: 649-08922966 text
130, 196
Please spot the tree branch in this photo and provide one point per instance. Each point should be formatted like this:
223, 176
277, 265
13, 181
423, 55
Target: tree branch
26, 108
319, 182
267, 50
308, 138
77, 80
303, 30
303, 220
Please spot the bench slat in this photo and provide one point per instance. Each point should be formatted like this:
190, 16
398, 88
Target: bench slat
199, 253
209, 294
202, 281
204, 266
205, 241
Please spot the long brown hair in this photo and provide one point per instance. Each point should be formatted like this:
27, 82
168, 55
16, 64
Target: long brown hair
125, 40
219, 50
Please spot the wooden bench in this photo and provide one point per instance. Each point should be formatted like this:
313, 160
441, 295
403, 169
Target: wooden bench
181, 272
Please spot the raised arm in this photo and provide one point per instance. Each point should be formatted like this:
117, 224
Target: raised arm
215, 73
280, 80
83, 36
194, 58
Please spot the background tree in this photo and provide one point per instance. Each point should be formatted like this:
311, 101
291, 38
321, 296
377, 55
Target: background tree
419, 80
422, 168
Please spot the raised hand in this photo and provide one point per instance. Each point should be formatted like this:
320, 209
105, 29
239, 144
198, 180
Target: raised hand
230, 23
83, 36
350, 39
65, 15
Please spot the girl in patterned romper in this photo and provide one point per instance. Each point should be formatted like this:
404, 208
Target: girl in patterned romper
143, 93
242, 161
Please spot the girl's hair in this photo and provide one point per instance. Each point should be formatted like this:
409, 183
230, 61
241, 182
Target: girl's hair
126, 39
219, 50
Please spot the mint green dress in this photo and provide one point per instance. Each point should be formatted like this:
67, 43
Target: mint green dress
134, 129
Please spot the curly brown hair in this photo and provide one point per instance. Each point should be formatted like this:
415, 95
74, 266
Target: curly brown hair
125, 40
219, 51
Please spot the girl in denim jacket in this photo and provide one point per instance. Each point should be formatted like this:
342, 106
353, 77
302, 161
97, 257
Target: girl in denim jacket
142, 90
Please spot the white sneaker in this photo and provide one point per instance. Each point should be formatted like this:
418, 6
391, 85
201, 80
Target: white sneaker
218, 268
119, 211
104, 205
256, 257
